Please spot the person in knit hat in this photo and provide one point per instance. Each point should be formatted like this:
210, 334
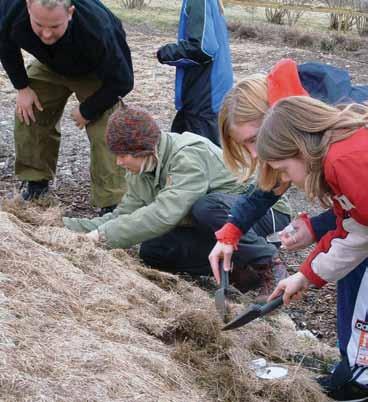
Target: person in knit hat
132, 131
169, 178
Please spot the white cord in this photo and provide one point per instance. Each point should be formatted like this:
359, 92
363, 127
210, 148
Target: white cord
273, 221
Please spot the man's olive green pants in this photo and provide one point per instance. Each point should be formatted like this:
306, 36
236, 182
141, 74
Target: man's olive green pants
37, 145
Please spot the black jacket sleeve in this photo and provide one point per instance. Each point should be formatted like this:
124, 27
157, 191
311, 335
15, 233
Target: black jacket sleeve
116, 73
12, 61
192, 49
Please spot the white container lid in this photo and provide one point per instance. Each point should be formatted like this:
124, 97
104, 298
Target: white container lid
272, 373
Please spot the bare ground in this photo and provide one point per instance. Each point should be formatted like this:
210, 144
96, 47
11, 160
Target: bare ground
154, 91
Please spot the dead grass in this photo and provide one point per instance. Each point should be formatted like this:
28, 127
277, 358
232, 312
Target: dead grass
43, 212
83, 323
322, 41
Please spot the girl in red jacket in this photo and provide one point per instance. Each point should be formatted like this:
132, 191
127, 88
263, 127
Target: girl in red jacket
323, 150
240, 117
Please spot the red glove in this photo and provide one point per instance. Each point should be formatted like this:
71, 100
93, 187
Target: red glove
229, 234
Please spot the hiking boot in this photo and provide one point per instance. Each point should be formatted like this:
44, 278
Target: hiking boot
269, 276
106, 210
35, 190
349, 392
244, 278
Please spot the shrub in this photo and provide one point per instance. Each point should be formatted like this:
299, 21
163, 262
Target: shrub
341, 21
290, 36
135, 3
327, 44
305, 40
275, 15
292, 16
362, 25
246, 32
362, 21
352, 44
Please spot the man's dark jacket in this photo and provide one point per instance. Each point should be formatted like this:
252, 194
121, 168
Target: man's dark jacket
94, 42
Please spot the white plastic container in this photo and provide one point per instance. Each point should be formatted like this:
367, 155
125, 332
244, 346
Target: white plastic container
267, 372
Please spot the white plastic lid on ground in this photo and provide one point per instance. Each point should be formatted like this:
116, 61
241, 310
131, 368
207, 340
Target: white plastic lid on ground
267, 372
272, 372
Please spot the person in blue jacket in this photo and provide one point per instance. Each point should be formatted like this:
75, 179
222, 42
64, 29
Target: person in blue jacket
240, 118
203, 67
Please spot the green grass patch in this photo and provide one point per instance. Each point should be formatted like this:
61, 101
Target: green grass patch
157, 16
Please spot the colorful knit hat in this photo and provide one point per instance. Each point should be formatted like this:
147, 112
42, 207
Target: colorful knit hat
131, 130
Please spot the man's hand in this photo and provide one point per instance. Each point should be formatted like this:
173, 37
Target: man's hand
292, 287
300, 238
79, 120
94, 236
25, 100
219, 252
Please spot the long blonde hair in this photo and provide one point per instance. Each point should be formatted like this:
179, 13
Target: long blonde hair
246, 102
301, 126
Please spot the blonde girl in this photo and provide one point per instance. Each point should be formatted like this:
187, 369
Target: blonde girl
324, 151
239, 120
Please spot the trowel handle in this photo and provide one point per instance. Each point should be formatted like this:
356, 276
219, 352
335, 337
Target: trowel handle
224, 276
272, 305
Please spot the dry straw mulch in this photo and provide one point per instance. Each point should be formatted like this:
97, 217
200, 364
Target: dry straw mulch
81, 323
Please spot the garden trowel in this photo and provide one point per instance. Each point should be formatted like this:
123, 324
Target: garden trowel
220, 295
253, 311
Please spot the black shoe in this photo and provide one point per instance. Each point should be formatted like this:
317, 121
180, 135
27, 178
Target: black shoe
107, 210
35, 190
349, 392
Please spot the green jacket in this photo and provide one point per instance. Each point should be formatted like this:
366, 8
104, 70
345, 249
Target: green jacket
189, 167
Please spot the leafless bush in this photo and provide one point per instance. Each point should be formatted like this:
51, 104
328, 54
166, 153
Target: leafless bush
362, 21
278, 15
292, 16
275, 15
139, 4
295, 38
341, 21
331, 42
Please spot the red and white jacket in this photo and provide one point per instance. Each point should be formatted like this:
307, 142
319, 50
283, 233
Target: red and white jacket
340, 251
